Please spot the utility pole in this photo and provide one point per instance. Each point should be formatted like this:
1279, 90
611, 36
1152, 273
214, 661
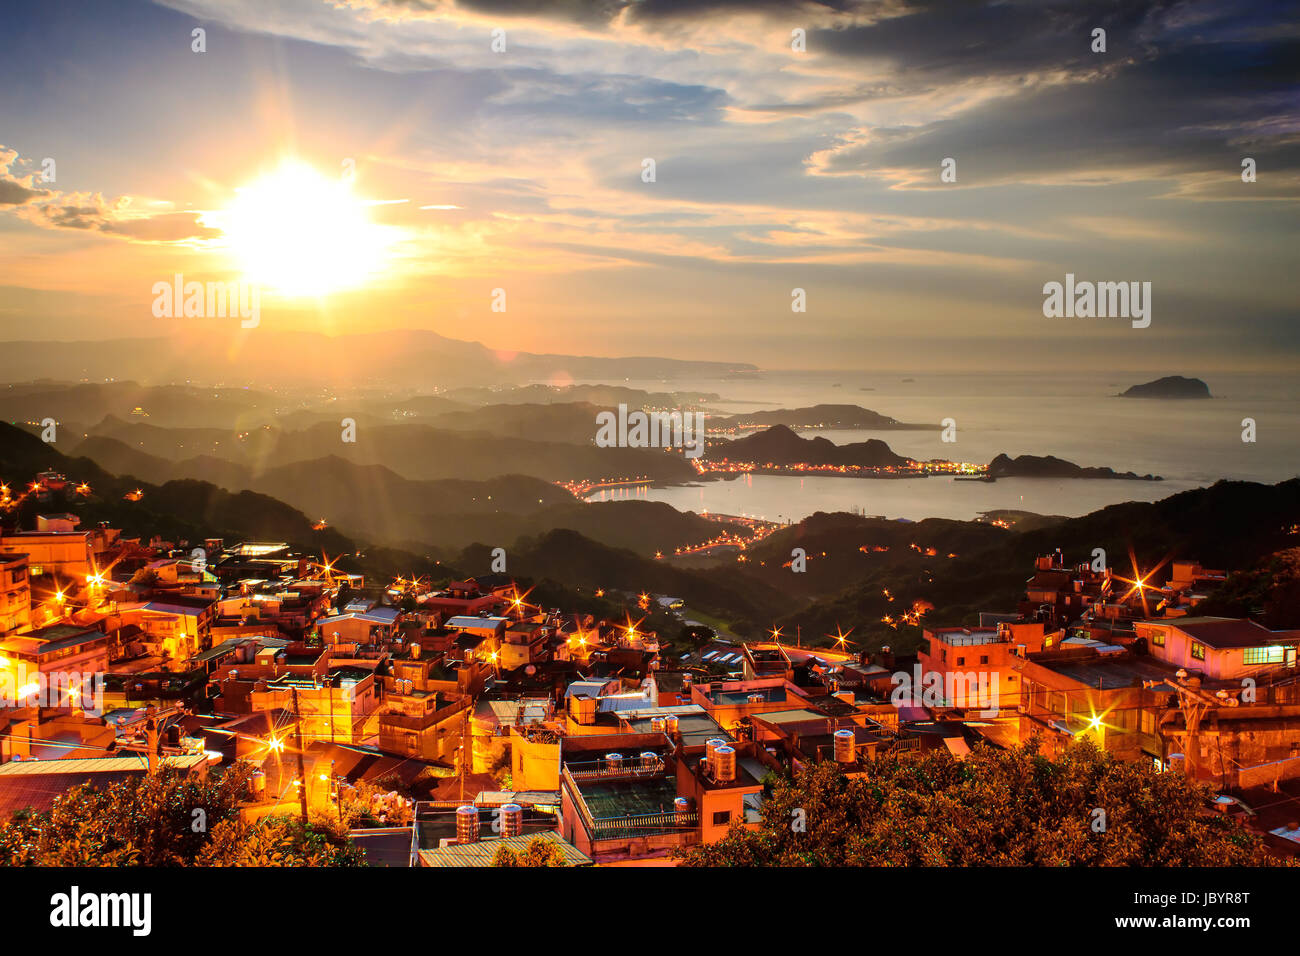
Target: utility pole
466, 749
151, 741
302, 773
1194, 704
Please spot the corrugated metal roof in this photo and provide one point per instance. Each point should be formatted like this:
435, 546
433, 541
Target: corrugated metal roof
482, 852
82, 765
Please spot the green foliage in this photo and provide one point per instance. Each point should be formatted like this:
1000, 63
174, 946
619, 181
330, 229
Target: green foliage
993, 808
280, 840
164, 820
538, 852
1269, 592
143, 821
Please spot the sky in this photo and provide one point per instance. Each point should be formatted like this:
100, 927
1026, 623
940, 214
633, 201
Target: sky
378, 165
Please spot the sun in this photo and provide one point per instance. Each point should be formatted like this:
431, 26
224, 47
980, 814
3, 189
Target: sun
303, 234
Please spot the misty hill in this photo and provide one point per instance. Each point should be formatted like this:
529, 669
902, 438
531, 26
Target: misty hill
1048, 466
375, 502
1171, 386
819, 416
396, 359
414, 451
606, 396
164, 405
570, 422
779, 445
177, 510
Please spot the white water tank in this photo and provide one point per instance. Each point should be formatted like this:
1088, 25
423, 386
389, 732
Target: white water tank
724, 764
467, 824
681, 811
845, 746
512, 820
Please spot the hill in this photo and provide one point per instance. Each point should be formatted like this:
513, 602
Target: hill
1049, 466
1171, 386
779, 445
818, 416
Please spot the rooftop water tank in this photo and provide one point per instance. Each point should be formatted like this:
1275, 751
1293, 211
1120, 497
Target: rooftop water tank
724, 764
512, 820
682, 812
845, 746
467, 824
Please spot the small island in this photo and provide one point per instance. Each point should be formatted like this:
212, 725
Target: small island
1171, 386
1049, 466
780, 446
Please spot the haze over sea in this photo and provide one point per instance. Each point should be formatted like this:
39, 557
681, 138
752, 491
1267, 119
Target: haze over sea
1074, 415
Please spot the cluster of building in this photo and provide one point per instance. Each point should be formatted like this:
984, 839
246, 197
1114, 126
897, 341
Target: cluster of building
471, 718
1133, 667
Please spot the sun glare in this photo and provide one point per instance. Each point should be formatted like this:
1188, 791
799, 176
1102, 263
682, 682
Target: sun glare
303, 234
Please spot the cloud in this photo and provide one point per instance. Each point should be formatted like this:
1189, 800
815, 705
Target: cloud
17, 188
91, 212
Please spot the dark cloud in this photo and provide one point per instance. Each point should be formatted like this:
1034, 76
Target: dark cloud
1192, 104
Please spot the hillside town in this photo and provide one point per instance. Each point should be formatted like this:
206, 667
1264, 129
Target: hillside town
445, 722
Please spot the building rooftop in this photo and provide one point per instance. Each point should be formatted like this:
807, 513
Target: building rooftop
1224, 633
1111, 672
483, 852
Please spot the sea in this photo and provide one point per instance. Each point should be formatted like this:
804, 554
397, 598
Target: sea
1077, 416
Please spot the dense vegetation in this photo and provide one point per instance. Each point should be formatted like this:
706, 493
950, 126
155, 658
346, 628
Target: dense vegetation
993, 808
169, 820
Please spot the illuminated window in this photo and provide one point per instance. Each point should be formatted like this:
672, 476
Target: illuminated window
1264, 655
1198, 650
1158, 638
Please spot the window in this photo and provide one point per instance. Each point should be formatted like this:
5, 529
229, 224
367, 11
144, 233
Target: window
961, 662
1198, 650
984, 658
1158, 638
722, 818
1263, 655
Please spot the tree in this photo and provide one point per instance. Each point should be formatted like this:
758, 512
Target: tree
280, 840
159, 820
165, 820
993, 808
538, 852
